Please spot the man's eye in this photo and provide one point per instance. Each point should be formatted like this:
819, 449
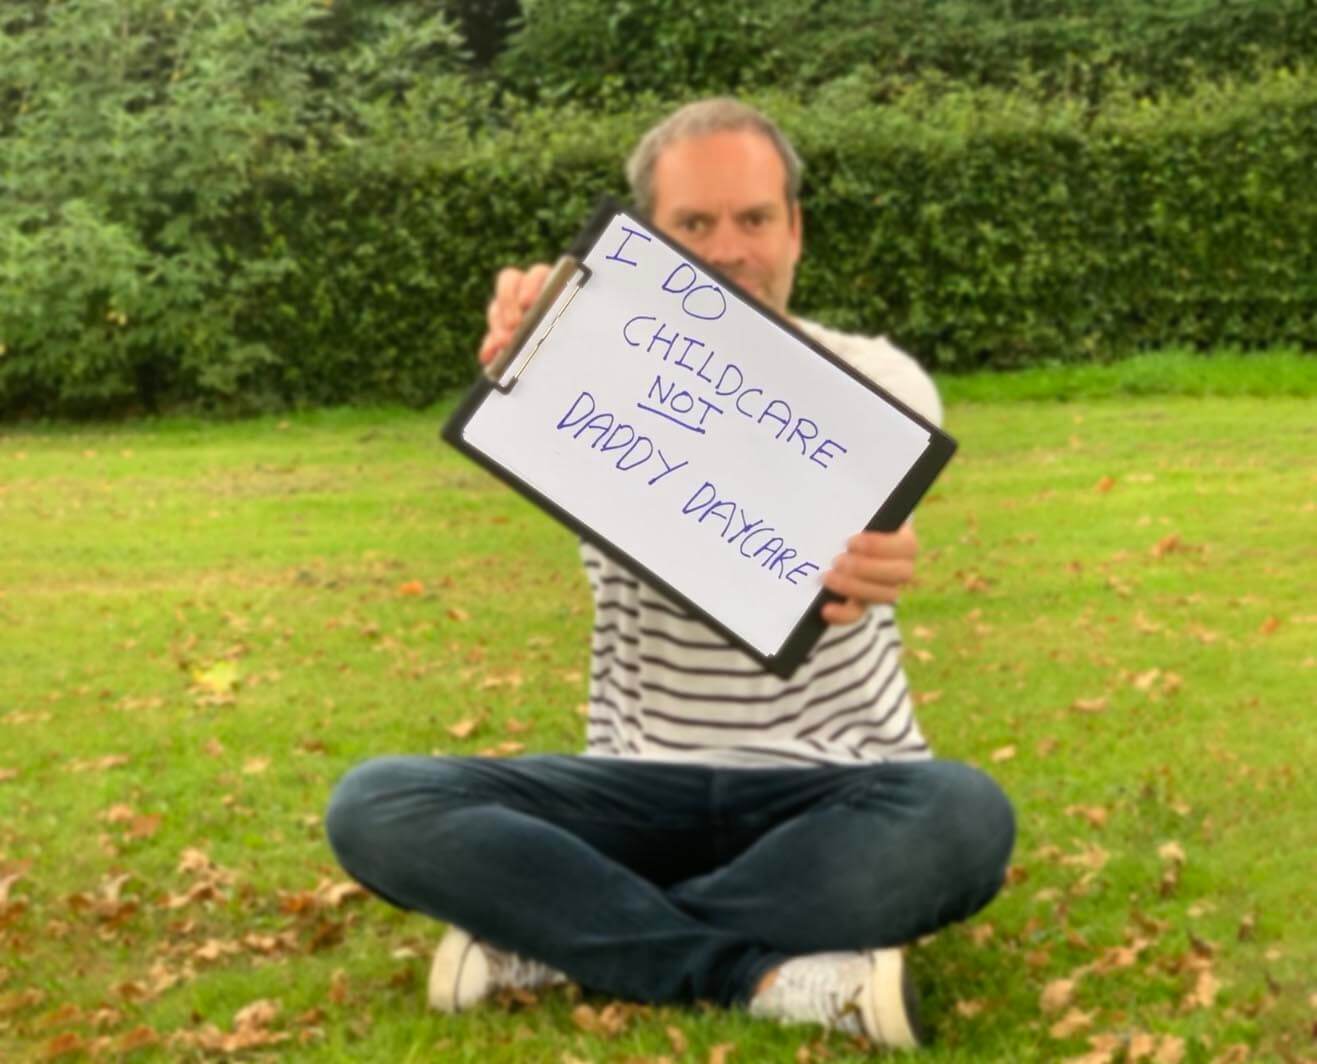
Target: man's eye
694, 225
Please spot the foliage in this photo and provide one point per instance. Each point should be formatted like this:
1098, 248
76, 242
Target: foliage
602, 51
131, 134
261, 205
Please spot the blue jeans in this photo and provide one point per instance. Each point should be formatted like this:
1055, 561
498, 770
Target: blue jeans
665, 882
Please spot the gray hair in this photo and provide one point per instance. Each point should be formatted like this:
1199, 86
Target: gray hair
720, 114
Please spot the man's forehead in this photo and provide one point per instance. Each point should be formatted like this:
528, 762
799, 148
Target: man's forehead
740, 162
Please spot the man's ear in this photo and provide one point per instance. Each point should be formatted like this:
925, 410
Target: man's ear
797, 228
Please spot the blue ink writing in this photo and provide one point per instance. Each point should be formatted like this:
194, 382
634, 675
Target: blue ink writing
616, 256
758, 543
680, 403
636, 450
703, 301
645, 332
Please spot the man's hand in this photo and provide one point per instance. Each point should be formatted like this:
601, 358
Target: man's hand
875, 568
514, 291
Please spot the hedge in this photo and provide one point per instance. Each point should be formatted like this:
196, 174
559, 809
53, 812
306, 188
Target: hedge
975, 227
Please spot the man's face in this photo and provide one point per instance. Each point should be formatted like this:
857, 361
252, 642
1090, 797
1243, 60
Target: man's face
723, 195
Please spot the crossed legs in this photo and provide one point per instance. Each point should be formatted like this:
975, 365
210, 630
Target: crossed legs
670, 882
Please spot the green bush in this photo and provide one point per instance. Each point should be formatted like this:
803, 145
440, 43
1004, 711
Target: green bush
602, 51
132, 133
245, 205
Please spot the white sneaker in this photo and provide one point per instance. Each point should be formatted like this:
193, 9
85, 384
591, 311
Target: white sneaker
466, 971
868, 994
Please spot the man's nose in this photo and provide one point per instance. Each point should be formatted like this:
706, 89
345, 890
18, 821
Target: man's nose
725, 248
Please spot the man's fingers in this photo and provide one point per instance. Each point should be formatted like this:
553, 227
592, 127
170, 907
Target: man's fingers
531, 285
847, 612
863, 590
514, 291
899, 544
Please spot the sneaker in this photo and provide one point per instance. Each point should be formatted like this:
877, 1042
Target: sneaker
466, 971
868, 994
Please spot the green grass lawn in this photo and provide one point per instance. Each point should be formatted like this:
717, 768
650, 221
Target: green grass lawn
204, 625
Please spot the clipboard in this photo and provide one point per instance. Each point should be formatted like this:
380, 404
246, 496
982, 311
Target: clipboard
658, 410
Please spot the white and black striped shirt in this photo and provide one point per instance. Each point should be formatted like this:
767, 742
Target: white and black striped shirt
664, 685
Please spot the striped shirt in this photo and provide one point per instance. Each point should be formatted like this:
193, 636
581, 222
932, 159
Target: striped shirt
664, 685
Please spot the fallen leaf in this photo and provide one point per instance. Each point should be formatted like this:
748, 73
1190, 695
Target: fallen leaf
1057, 995
1071, 1023
463, 729
143, 827
411, 588
1247, 926
254, 766
1170, 1050
259, 1013
1269, 625
1094, 814
1004, 753
68, 1044
218, 679
138, 1038
676, 1039
1089, 705
1104, 485
7, 774
455, 614
1203, 995
970, 1009
719, 1053
1167, 545
1171, 852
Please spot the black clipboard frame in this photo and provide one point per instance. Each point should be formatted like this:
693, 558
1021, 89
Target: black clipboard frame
889, 517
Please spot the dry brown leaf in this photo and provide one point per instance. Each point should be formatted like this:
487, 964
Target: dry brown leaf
1247, 927
676, 1039
465, 728
1091, 857
68, 1044
411, 588
7, 884
138, 1038
143, 827
1171, 852
260, 1013
7, 774
1071, 1023
1057, 995
1094, 814
459, 615
118, 814
1089, 705
1235, 1054
1104, 485
1170, 1050
1167, 545
970, 1009
719, 1053
1003, 753
1203, 995
1269, 625
98, 764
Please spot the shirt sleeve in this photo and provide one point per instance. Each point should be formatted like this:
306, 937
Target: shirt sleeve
887, 366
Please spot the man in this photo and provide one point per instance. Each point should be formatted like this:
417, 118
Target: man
729, 836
